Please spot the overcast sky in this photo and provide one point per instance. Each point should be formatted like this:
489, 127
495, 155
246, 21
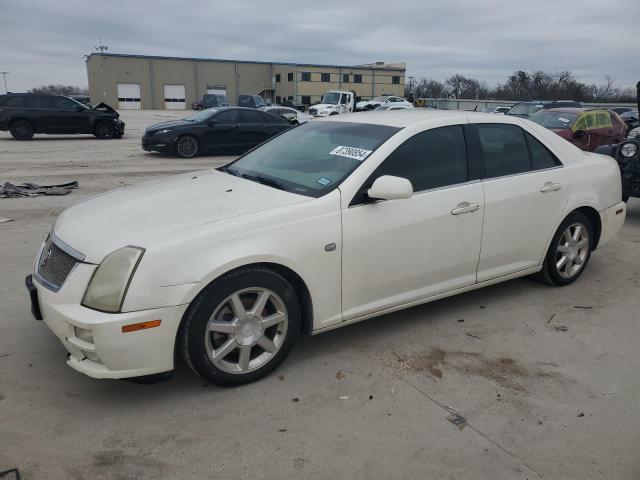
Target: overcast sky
43, 41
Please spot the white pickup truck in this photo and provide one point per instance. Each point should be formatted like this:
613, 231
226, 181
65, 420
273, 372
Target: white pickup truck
334, 102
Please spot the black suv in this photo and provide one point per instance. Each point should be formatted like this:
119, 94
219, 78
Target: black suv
24, 114
627, 154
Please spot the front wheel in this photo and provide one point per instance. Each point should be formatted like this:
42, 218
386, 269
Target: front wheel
569, 251
187, 146
105, 130
241, 327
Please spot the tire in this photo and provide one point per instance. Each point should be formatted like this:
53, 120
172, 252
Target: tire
226, 341
567, 258
625, 198
21, 130
187, 146
105, 130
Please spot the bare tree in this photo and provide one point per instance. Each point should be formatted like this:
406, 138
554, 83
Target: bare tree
60, 90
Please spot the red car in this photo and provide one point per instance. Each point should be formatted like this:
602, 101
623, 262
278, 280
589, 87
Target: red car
586, 128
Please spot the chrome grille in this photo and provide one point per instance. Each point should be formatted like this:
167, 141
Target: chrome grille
54, 265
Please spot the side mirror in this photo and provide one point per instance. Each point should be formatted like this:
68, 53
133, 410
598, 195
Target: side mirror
578, 134
388, 187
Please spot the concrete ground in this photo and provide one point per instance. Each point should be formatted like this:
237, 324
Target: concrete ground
547, 378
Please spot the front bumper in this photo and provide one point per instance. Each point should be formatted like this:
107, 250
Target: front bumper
119, 127
612, 219
104, 351
157, 144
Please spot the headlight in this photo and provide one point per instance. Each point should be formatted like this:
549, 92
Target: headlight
628, 150
109, 283
159, 132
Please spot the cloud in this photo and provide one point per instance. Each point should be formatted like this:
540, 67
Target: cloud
43, 42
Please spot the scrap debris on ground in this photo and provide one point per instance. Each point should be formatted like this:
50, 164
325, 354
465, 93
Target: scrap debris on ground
29, 189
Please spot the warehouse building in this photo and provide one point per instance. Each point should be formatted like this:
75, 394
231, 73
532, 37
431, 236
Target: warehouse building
151, 82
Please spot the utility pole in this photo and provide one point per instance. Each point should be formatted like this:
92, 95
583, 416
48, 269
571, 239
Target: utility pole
4, 75
101, 47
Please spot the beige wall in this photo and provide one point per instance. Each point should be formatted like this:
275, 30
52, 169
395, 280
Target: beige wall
104, 72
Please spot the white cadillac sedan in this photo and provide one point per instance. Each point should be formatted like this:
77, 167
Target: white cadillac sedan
327, 224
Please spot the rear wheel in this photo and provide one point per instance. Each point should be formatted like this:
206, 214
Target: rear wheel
105, 130
187, 146
241, 327
569, 251
21, 130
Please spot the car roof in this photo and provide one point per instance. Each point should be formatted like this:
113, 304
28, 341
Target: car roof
404, 117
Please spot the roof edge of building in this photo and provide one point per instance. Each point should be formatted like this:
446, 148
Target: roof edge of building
375, 66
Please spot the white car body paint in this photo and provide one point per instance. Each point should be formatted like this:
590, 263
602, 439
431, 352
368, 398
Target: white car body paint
389, 254
389, 101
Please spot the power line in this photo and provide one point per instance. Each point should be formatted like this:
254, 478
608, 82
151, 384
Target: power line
4, 75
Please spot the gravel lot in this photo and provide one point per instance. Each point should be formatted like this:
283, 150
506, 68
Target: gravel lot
369, 401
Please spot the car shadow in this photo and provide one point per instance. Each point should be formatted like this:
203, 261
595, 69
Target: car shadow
113, 393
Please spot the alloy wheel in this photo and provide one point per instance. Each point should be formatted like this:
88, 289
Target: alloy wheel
187, 146
572, 250
246, 330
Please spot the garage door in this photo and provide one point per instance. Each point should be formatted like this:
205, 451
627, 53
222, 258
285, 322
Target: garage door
174, 97
217, 90
129, 96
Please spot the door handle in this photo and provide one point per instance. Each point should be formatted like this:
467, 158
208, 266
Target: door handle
550, 187
465, 207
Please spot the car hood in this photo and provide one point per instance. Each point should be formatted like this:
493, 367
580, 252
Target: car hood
169, 124
152, 211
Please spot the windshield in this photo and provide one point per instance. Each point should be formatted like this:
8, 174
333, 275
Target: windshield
554, 119
379, 99
524, 109
202, 115
257, 99
331, 98
314, 158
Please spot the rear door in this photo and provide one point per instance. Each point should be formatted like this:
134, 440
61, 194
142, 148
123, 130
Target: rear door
221, 134
525, 190
63, 115
253, 129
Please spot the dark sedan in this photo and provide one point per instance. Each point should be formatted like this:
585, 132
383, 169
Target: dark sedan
225, 130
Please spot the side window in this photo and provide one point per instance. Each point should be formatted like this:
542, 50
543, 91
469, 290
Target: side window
61, 103
228, 117
431, 159
581, 123
14, 102
39, 101
541, 157
247, 116
604, 120
591, 121
504, 150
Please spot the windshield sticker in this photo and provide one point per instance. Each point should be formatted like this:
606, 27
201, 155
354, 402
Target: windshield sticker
323, 181
565, 120
351, 152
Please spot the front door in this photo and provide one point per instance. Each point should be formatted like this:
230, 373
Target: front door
65, 116
525, 190
400, 251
